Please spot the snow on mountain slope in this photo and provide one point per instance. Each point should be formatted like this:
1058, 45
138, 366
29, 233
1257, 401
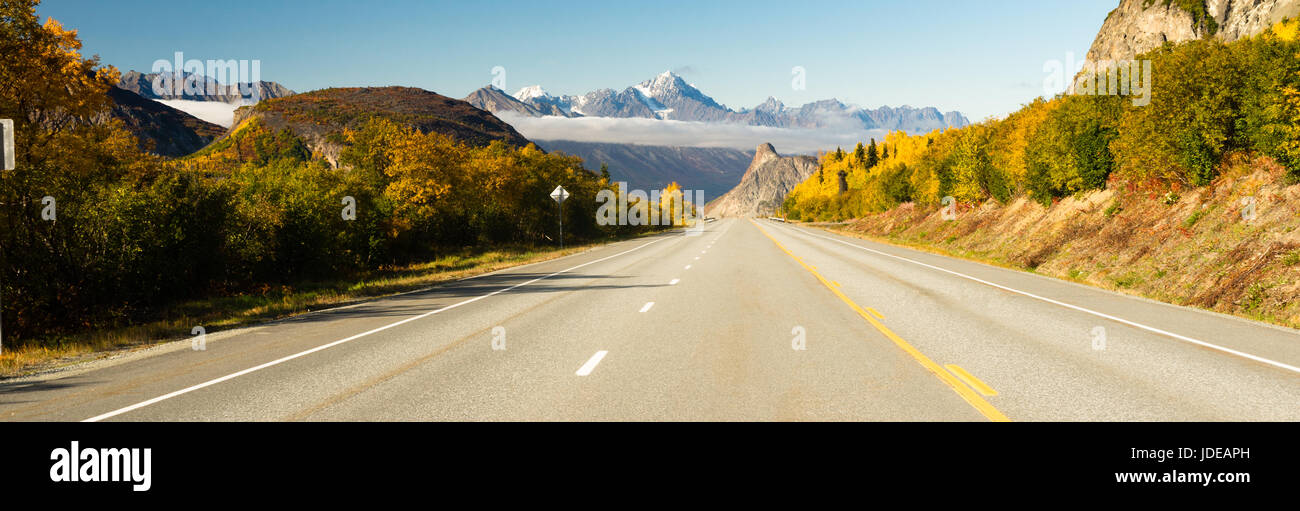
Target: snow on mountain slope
668, 97
530, 92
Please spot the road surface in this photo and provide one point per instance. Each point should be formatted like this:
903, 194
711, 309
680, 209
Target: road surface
706, 327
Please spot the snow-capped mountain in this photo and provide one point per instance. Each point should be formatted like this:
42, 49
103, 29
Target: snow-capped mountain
669, 97
536, 98
530, 92
679, 100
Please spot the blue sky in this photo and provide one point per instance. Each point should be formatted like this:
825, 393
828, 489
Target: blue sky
982, 57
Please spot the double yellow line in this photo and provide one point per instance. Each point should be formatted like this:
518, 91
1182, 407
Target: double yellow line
962, 390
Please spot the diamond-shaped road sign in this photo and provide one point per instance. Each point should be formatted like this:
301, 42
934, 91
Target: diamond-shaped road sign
560, 194
6, 144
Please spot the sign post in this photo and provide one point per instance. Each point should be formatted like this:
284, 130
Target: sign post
7, 146
6, 163
559, 195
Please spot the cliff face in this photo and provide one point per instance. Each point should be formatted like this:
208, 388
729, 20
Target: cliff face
1137, 26
1243, 18
764, 186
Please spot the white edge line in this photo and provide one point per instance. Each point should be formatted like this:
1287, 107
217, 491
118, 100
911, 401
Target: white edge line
322, 347
1103, 315
647, 306
373, 299
590, 366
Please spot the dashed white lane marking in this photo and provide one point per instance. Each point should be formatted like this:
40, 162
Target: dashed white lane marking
300, 354
688, 267
590, 366
674, 282
647, 306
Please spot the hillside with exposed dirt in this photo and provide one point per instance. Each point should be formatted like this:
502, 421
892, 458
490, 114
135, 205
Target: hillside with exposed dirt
1231, 247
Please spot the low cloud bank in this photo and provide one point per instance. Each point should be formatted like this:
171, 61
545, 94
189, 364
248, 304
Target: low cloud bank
688, 134
215, 112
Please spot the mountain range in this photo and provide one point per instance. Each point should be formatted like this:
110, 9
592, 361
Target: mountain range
669, 97
713, 170
142, 84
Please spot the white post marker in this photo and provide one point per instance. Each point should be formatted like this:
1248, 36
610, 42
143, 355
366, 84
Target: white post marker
559, 194
7, 147
6, 163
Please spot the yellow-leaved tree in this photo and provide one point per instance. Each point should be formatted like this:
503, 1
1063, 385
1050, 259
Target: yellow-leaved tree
1291, 145
47, 87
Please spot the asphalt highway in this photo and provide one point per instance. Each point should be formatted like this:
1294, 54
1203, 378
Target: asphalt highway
747, 320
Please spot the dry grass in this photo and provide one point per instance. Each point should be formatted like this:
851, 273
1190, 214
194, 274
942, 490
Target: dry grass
228, 312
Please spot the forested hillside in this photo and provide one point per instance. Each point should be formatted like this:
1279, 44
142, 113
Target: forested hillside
1210, 101
1191, 199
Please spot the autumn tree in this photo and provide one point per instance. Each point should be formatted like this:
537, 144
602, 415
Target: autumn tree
46, 86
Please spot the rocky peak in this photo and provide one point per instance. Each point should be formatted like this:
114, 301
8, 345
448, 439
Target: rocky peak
667, 81
771, 105
764, 153
495, 100
763, 187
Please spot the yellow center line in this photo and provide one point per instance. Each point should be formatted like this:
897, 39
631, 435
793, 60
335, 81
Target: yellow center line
876, 313
962, 390
971, 380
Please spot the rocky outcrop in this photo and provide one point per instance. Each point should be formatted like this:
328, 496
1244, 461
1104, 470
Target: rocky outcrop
1242, 18
762, 189
1137, 26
